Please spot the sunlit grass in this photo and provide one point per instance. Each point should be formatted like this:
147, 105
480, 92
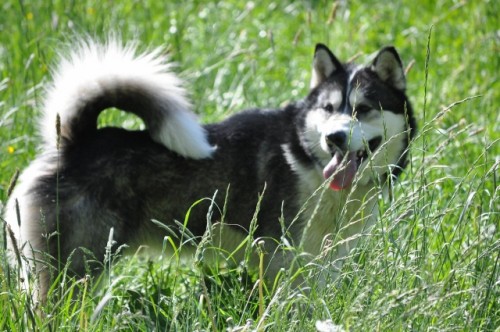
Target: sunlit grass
432, 261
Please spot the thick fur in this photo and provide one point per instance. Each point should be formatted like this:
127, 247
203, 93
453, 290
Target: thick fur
320, 162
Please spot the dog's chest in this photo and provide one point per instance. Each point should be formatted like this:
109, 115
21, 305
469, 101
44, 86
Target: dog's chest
329, 217
321, 218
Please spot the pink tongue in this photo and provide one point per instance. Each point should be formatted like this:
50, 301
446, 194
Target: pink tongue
344, 172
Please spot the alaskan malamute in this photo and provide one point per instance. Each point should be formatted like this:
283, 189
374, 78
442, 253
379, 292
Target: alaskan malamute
309, 173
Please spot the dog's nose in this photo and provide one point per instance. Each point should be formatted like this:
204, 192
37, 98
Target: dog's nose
338, 139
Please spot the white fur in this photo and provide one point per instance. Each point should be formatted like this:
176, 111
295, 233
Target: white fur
182, 133
94, 69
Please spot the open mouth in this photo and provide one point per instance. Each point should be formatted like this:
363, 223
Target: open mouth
372, 145
342, 172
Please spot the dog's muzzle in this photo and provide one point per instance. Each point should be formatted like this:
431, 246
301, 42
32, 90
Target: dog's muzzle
343, 166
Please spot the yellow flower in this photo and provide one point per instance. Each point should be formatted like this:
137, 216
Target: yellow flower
29, 16
10, 149
90, 10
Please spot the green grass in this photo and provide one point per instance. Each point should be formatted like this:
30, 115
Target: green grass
432, 262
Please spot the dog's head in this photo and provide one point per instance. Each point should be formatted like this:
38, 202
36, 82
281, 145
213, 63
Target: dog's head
358, 120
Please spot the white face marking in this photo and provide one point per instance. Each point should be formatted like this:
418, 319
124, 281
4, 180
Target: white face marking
391, 127
333, 98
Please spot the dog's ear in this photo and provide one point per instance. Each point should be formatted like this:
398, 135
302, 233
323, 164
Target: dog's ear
324, 64
389, 68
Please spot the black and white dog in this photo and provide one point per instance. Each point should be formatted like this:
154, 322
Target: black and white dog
309, 173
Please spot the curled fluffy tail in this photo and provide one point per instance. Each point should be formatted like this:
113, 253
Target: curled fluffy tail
98, 76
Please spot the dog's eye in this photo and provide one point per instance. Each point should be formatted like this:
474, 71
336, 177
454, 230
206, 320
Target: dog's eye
362, 108
328, 107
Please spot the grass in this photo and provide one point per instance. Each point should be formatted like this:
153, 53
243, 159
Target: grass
432, 262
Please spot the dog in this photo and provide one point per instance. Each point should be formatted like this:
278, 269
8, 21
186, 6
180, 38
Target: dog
307, 174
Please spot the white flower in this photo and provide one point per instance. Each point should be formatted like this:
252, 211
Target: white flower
328, 326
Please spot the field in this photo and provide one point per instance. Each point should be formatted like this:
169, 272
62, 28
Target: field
431, 262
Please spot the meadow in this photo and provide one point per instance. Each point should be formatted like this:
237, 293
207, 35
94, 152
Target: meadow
431, 263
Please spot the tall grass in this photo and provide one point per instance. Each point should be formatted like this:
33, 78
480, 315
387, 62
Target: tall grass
431, 262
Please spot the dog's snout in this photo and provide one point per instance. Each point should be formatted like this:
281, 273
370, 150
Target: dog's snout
337, 139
